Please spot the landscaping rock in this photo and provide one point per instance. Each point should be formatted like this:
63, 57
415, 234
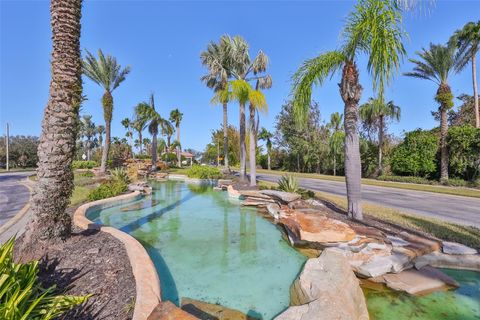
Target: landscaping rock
442, 260
274, 210
285, 197
425, 280
326, 289
224, 182
314, 203
232, 193
314, 229
381, 265
166, 310
204, 310
456, 248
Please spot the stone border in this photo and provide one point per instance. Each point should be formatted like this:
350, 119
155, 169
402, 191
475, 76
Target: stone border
184, 178
147, 281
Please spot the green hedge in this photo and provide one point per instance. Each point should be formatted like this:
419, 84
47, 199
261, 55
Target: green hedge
204, 172
84, 164
452, 182
107, 190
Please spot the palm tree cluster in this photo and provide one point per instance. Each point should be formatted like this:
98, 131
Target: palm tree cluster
231, 73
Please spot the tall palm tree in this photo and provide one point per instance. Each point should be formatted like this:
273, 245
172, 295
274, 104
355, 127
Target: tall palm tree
337, 138
374, 27
436, 64
88, 130
100, 132
167, 130
59, 127
139, 124
128, 125
267, 136
467, 41
376, 112
176, 117
218, 62
107, 73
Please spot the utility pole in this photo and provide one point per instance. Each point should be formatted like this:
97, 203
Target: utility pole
7, 142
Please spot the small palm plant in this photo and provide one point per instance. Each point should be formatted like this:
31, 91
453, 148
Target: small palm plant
288, 183
120, 175
22, 295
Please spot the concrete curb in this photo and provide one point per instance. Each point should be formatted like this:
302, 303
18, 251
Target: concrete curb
20, 214
146, 277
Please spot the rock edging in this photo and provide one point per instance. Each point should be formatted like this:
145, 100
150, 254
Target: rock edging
146, 277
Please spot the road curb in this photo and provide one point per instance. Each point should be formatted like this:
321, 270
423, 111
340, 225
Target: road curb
20, 214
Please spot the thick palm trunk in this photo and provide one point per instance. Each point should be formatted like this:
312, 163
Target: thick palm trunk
253, 162
351, 91
334, 164
444, 97
140, 138
107, 101
225, 136
380, 145
475, 91
243, 148
268, 161
179, 156
59, 127
154, 152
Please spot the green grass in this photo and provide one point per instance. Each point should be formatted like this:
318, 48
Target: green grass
457, 191
179, 170
466, 235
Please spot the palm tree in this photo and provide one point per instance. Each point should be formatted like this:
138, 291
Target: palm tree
59, 127
88, 130
147, 112
467, 41
176, 117
167, 130
436, 64
139, 124
128, 125
107, 73
267, 137
376, 112
337, 138
219, 64
100, 132
373, 28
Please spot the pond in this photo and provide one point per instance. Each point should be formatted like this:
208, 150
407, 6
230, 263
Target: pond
462, 303
206, 246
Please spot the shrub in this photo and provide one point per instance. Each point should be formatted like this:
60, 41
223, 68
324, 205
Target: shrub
120, 175
84, 164
107, 190
464, 152
288, 183
406, 179
86, 174
204, 172
23, 296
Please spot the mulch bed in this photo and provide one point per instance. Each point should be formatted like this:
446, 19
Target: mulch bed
89, 262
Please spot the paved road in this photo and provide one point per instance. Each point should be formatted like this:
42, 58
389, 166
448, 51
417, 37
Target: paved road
457, 209
13, 194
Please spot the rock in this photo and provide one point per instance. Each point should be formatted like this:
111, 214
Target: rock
381, 265
456, 248
314, 203
166, 310
232, 193
425, 280
285, 197
254, 194
442, 260
204, 310
420, 245
217, 189
305, 228
224, 182
326, 289
139, 186
274, 210
255, 203
299, 204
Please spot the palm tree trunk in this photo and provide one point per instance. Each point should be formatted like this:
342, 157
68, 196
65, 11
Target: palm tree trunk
243, 149
225, 136
59, 127
154, 152
380, 145
252, 147
334, 164
107, 101
179, 156
475, 91
268, 161
443, 96
140, 138
351, 91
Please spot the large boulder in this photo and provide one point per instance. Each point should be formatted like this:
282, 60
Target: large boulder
453, 261
378, 266
166, 310
456, 248
204, 310
285, 197
313, 229
326, 289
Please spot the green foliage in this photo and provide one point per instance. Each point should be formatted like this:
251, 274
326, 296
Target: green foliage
107, 190
22, 151
407, 179
86, 174
120, 175
288, 183
22, 296
204, 172
445, 99
216, 144
464, 150
416, 155
84, 164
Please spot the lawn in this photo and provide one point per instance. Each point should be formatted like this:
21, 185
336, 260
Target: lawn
458, 191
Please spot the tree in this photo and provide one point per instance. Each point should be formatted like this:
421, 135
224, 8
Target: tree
373, 28
167, 130
467, 41
139, 124
176, 117
100, 132
267, 136
59, 127
107, 73
88, 130
337, 138
436, 64
128, 125
376, 113
219, 64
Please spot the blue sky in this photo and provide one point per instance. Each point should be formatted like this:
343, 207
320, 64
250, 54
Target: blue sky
162, 40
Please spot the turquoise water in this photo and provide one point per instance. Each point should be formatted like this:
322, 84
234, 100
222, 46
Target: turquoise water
460, 304
206, 246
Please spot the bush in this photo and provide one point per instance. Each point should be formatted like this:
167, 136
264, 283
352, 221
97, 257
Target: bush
84, 164
288, 183
120, 175
464, 152
86, 174
107, 190
204, 172
22, 294
406, 179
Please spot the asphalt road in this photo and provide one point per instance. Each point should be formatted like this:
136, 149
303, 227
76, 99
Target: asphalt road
13, 194
456, 209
